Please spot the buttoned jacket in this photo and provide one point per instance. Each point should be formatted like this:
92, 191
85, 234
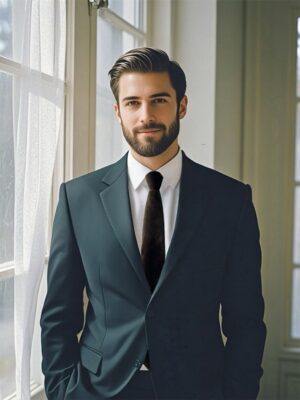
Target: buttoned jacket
213, 263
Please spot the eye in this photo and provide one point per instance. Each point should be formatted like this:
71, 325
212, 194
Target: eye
132, 103
159, 100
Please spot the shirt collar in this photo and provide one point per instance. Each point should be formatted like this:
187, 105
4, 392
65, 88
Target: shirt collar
171, 171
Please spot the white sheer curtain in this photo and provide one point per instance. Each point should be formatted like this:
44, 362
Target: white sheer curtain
38, 122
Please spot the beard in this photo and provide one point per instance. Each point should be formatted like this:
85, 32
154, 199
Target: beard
150, 146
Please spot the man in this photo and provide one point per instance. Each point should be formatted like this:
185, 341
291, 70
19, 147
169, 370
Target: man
160, 243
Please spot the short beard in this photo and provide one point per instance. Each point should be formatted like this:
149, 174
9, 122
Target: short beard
153, 148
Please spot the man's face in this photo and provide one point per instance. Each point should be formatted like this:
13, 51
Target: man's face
148, 111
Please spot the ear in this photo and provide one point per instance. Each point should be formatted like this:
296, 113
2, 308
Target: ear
117, 112
183, 106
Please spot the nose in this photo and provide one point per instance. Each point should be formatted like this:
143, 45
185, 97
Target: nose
146, 114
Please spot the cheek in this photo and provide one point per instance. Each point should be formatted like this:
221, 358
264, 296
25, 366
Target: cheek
168, 117
129, 119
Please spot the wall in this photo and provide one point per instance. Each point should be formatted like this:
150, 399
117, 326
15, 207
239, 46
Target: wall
229, 87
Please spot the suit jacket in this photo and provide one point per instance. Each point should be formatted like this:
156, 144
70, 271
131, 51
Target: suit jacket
214, 260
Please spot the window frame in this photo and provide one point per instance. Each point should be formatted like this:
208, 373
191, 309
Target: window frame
7, 269
13, 68
290, 345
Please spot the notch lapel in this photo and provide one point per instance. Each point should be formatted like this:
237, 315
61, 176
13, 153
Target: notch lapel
194, 196
116, 203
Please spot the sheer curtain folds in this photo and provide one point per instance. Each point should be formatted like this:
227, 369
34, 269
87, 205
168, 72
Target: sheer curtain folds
38, 106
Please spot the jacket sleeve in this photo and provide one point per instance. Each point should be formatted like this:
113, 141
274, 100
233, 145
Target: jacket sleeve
62, 313
243, 308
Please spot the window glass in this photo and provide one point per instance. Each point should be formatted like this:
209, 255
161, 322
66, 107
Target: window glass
5, 28
6, 170
296, 257
130, 10
7, 359
295, 320
296, 304
298, 58
297, 145
42, 28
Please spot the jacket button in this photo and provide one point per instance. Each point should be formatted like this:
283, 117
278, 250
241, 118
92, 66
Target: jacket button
138, 364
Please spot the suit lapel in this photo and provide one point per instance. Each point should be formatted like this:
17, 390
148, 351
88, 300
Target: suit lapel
116, 203
194, 195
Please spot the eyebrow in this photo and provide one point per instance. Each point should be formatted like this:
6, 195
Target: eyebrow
160, 94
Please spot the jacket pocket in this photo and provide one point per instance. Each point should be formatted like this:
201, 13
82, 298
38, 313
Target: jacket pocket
90, 358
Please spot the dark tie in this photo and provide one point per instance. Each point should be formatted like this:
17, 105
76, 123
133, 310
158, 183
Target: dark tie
153, 242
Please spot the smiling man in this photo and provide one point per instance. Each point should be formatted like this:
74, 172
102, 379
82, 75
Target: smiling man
150, 120
161, 244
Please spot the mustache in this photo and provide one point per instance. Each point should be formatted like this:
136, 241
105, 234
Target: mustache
148, 127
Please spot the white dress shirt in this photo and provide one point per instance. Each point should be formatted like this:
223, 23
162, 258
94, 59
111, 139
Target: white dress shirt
169, 191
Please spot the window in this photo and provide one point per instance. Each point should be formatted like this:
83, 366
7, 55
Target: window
32, 47
295, 326
119, 28
7, 364
6, 169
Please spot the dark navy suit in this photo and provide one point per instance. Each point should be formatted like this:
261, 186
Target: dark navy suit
214, 259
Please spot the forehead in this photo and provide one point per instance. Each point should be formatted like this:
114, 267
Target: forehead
144, 84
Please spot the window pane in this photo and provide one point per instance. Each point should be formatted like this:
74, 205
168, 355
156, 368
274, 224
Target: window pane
297, 144
296, 252
296, 304
6, 170
298, 58
7, 358
130, 10
5, 28
111, 43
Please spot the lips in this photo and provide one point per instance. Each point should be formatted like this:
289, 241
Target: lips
148, 131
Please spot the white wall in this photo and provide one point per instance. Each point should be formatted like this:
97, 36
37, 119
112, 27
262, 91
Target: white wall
195, 49
190, 38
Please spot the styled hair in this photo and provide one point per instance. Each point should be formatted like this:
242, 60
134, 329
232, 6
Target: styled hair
147, 59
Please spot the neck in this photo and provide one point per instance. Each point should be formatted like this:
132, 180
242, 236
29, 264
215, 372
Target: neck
158, 161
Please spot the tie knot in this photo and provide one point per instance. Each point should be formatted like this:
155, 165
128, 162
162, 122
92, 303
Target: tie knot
154, 180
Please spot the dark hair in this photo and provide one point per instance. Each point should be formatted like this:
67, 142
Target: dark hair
147, 59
